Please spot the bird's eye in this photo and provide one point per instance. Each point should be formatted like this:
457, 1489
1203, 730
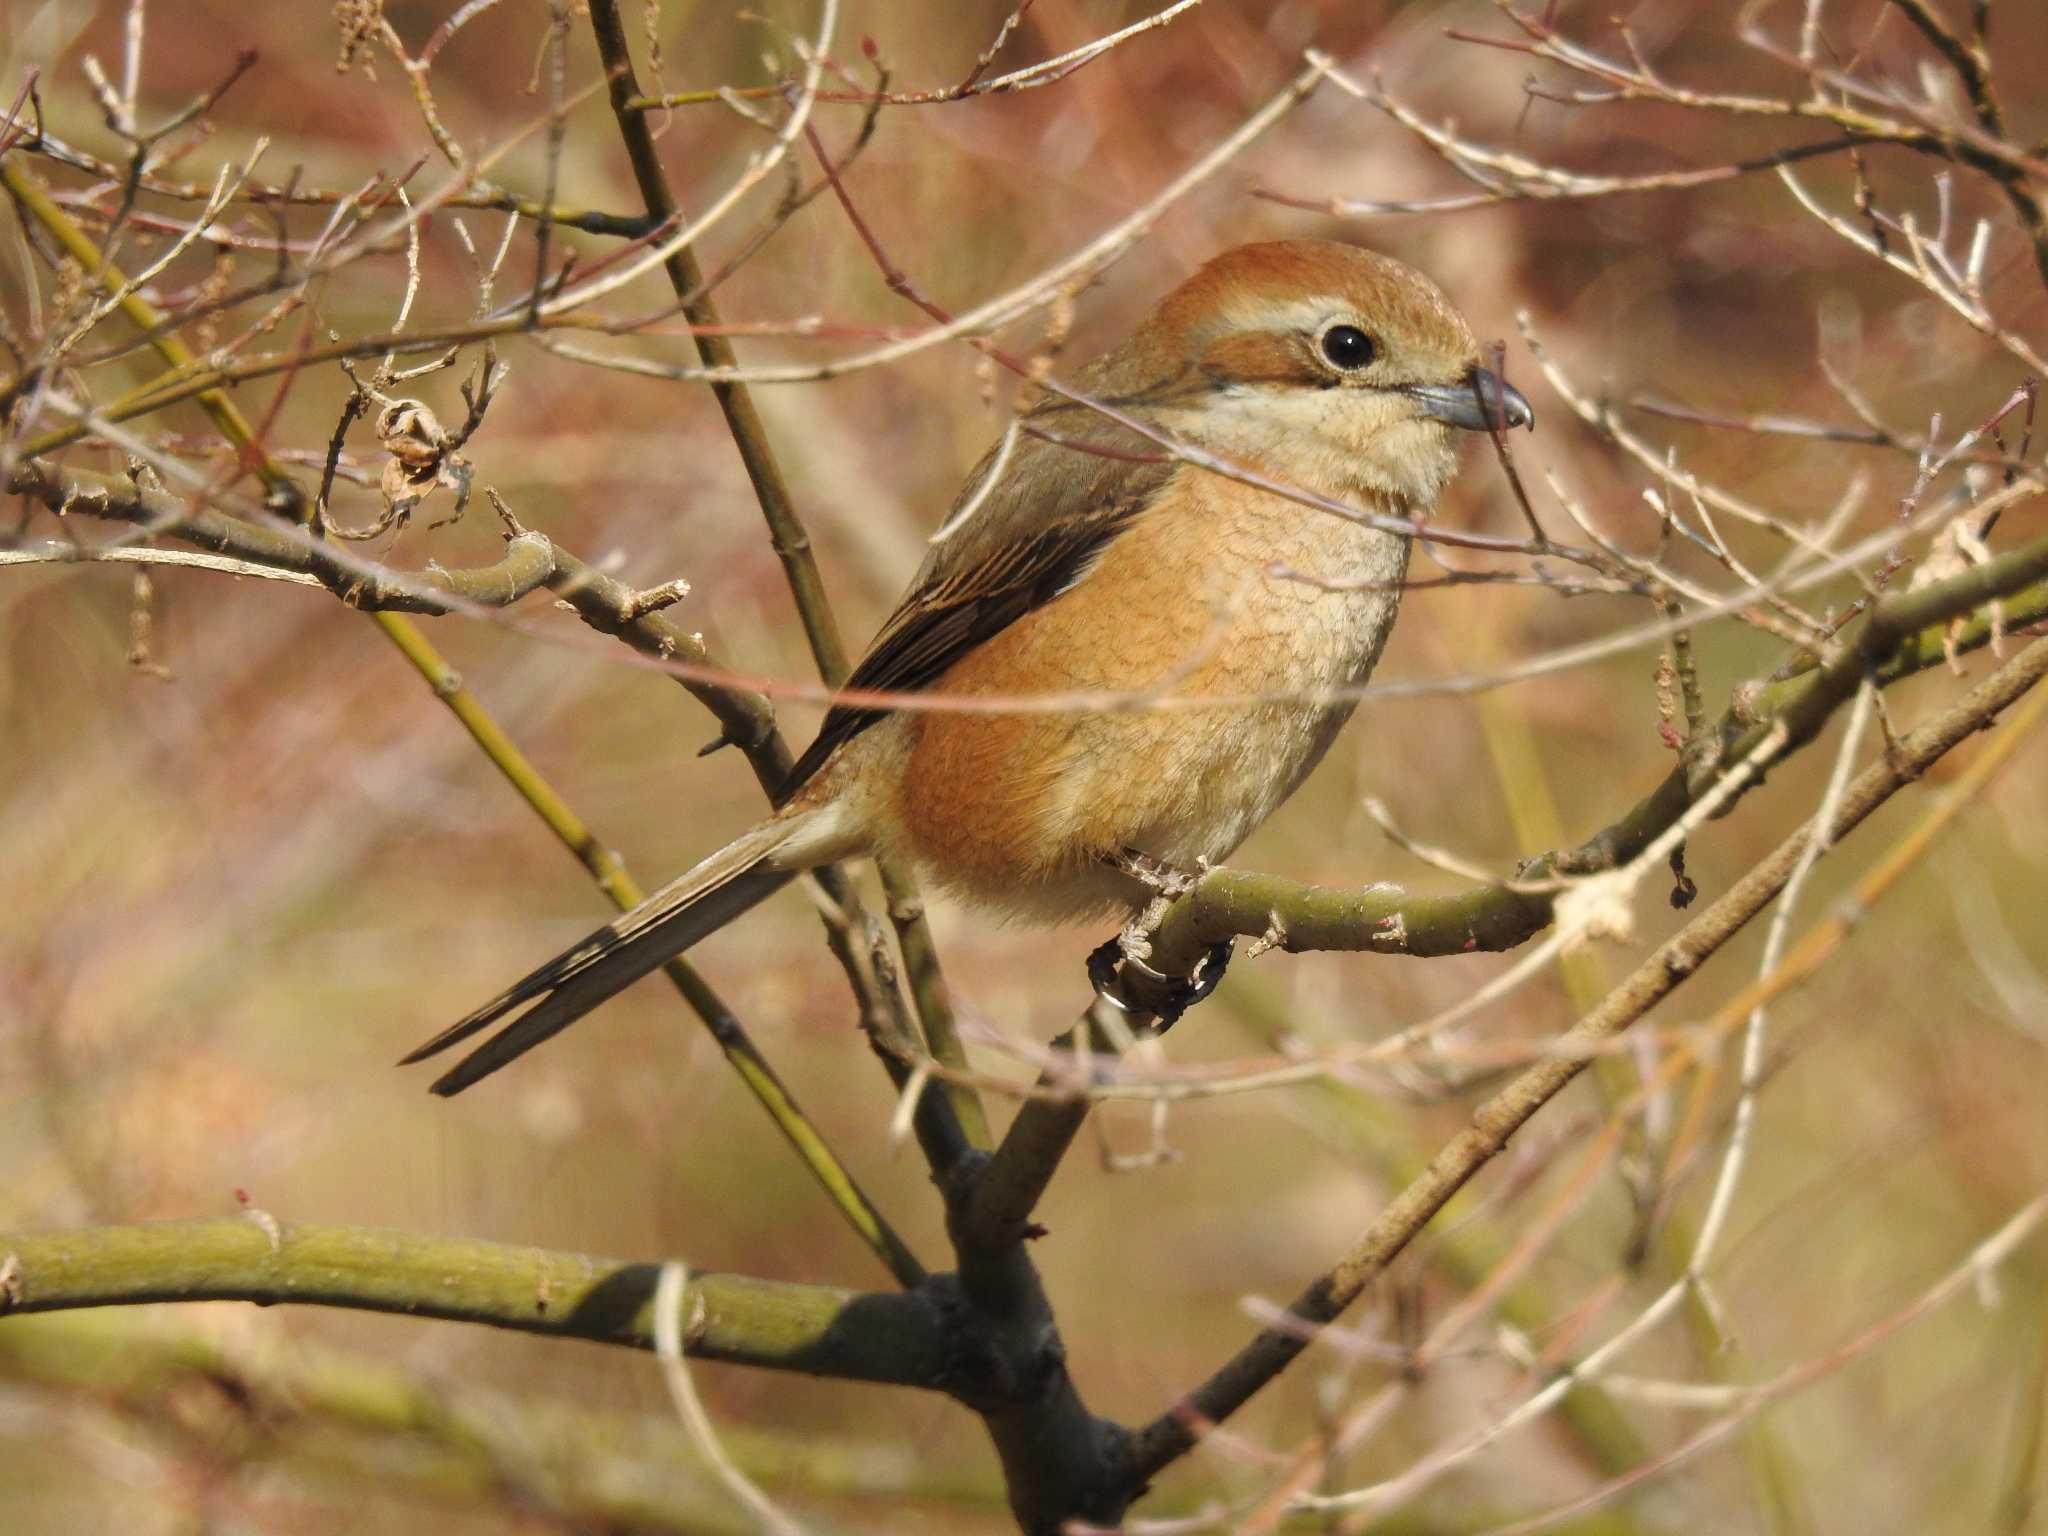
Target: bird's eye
1347, 347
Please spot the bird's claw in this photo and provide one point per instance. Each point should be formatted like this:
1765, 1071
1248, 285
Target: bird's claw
1167, 997
1102, 963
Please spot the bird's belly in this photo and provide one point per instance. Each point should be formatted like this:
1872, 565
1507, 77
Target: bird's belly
1020, 811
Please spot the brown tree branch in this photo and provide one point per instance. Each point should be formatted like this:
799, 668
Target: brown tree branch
1906, 636
943, 1132
1176, 1431
603, 864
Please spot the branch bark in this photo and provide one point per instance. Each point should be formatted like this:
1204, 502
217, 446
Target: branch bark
899, 1338
1176, 1431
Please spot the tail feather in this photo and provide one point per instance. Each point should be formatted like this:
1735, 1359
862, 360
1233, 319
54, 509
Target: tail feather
697, 903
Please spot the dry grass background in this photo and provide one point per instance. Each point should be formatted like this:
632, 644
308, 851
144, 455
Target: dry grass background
235, 894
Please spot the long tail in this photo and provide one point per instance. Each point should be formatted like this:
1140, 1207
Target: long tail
697, 902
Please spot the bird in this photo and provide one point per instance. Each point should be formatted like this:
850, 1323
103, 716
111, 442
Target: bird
1084, 558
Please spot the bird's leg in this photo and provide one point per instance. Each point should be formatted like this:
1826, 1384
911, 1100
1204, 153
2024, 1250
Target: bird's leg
1129, 951
1154, 873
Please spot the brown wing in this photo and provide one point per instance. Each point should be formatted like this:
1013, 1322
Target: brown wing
1035, 533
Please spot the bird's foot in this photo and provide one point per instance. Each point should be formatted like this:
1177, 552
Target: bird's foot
1121, 969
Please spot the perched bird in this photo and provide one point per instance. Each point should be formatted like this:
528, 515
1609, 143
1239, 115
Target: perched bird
1091, 560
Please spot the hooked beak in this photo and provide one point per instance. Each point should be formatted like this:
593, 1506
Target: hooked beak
1480, 402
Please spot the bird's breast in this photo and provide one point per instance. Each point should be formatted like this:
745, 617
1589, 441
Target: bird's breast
1197, 673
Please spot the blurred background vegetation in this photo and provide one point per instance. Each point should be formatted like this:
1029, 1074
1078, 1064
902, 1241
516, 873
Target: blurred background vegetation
242, 879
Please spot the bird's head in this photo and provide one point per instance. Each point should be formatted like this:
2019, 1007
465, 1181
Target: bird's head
1335, 366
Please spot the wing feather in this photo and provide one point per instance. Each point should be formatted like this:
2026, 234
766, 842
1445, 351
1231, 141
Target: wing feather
1035, 536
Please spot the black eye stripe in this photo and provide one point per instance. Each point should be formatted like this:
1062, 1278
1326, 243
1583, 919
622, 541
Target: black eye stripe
1347, 347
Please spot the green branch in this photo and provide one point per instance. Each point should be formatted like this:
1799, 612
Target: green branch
1906, 635
893, 1337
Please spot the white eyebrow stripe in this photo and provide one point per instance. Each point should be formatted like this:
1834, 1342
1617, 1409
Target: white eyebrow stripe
1306, 315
